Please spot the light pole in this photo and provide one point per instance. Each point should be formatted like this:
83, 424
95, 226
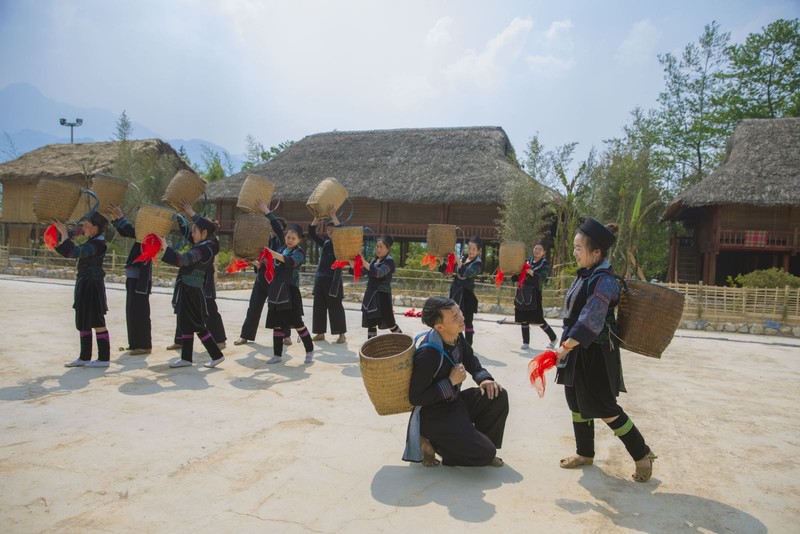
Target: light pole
71, 125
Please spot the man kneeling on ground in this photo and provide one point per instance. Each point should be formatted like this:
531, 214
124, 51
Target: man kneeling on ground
465, 427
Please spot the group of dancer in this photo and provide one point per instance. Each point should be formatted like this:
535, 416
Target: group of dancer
462, 426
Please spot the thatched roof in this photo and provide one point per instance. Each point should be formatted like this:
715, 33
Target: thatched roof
762, 168
430, 165
70, 161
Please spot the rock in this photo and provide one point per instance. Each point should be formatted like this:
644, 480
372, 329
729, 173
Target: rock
729, 327
770, 331
757, 329
796, 331
786, 330
743, 328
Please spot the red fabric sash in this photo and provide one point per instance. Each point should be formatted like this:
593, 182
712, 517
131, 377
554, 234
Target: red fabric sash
358, 264
236, 265
429, 260
451, 264
151, 245
523, 274
266, 257
498, 278
51, 237
537, 368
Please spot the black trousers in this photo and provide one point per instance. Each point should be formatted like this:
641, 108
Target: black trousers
214, 321
137, 316
257, 299
324, 304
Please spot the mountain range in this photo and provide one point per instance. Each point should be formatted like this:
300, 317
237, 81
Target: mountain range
29, 120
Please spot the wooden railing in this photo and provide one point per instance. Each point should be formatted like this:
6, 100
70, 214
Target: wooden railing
740, 304
758, 239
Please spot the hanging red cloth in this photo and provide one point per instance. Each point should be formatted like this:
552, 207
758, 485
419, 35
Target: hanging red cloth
413, 313
269, 261
429, 260
498, 278
236, 265
357, 266
151, 246
51, 237
537, 368
523, 274
451, 264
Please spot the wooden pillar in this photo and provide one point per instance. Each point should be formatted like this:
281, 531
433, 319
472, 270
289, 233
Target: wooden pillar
786, 262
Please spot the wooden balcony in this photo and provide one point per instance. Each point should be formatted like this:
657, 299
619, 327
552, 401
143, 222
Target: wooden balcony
760, 240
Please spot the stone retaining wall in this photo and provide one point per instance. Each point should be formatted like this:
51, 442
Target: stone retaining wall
417, 302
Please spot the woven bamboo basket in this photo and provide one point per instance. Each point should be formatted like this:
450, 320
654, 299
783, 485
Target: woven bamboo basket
109, 190
84, 206
55, 199
512, 257
347, 241
329, 195
441, 239
186, 185
253, 189
250, 235
648, 316
152, 219
386, 363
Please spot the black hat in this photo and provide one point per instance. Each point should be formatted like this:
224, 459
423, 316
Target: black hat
387, 240
205, 224
98, 220
598, 232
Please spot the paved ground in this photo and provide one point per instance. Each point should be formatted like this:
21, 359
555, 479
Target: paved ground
249, 447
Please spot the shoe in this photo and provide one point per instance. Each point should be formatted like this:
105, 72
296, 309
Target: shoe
341, 339
139, 352
496, 462
318, 337
309, 357
275, 359
76, 363
214, 363
222, 345
551, 345
287, 341
97, 363
241, 341
644, 472
571, 462
174, 346
524, 346
180, 363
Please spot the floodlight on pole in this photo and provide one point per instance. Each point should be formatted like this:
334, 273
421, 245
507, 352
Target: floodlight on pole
72, 125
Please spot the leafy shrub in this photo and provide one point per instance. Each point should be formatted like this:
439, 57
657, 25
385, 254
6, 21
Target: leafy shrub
773, 277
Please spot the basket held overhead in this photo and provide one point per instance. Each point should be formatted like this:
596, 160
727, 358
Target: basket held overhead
250, 235
441, 239
253, 189
386, 363
512, 257
109, 190
347, 241
55, 199
186, 185
328, 195
648, 315
152, 219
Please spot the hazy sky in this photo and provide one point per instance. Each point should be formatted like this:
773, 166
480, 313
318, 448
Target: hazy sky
218, 70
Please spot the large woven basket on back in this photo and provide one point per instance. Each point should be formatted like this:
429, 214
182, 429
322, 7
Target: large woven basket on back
253, 189
250, 235
186, 185
329, 195
153, 219
648, 316
55, 199
347, 241
109, 190
386, 363
441, 239
512, 257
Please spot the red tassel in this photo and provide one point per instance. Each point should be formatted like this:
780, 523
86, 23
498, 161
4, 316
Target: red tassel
429, 260
538, 366
451, 264
358, 264
51, 237
413, 313
339, 264
498, 278
523, 274
151, 246
236, 265
266, 257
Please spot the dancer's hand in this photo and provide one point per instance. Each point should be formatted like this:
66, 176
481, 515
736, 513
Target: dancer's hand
457, 374
491, 388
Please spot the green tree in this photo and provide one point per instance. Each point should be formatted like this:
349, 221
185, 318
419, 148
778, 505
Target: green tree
689, 115
124, 128
764, 75
149, 170
255, 152
215, 166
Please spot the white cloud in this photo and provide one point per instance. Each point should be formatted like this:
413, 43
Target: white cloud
548, 65
439, 35
557, 29
488, 68
639, 46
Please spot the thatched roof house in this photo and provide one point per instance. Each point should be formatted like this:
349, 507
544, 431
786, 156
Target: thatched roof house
72, 162
399, 180
746, 214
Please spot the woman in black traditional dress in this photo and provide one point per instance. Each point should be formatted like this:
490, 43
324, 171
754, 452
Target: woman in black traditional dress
328, 289
90, 290
589, 364
376, 308
462, 290
528, 298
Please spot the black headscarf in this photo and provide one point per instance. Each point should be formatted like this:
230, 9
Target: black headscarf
597, 231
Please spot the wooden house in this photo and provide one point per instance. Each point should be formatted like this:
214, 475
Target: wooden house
744, 216
77, 163
399, 181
